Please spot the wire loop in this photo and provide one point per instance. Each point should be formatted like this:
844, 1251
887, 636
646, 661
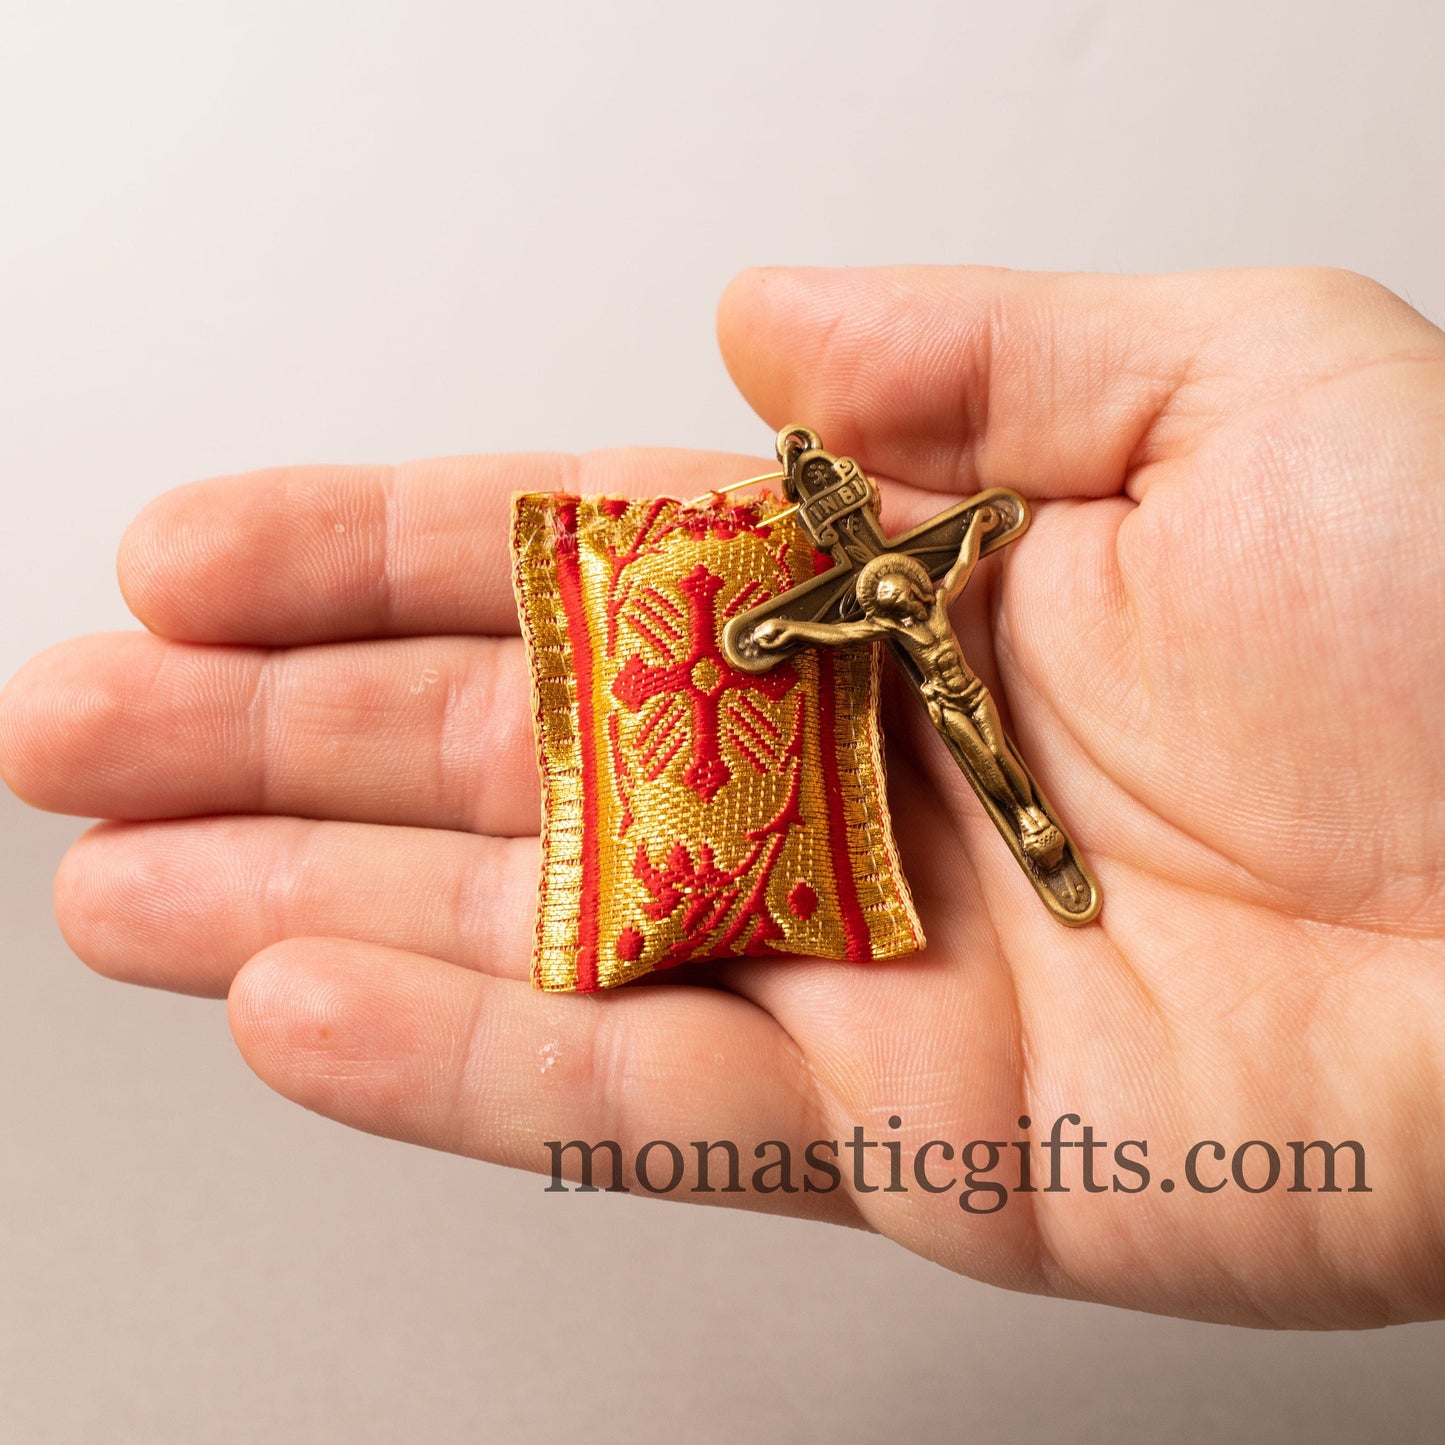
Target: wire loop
717, 493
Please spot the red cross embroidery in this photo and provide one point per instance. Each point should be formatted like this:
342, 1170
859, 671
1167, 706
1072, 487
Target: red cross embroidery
702, 677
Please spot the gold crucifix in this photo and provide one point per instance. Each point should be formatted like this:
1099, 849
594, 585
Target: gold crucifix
897, 590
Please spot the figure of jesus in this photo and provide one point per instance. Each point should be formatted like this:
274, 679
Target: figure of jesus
900, 602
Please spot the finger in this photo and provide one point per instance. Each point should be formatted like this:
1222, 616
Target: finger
182, 904
312, 554
435, 732
408, 1047
958, 377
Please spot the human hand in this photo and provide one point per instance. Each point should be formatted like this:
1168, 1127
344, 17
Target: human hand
770, 634
1222, 643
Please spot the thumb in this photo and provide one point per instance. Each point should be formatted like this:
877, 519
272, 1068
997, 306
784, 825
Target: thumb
1056, 384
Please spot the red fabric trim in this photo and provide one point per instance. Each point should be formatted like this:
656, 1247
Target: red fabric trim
569, 588
855, 926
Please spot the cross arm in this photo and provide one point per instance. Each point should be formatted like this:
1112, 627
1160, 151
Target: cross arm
937, 541
829, 597
822, 599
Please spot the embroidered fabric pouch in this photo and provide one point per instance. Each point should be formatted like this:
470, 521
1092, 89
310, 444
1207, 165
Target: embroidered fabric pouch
691, 811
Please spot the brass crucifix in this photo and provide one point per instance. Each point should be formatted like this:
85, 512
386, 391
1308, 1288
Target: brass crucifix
897, 590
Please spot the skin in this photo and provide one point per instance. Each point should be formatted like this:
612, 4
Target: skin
1220, 645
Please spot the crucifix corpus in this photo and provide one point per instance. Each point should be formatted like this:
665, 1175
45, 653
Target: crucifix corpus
897, 590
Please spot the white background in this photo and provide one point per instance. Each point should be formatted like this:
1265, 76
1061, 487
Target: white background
239, 234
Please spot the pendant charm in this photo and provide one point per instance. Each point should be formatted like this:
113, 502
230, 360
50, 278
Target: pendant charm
693, 810
897, 590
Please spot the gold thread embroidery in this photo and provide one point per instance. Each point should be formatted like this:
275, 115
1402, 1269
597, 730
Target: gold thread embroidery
713, 825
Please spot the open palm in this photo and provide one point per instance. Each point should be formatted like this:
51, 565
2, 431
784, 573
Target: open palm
1222, 650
